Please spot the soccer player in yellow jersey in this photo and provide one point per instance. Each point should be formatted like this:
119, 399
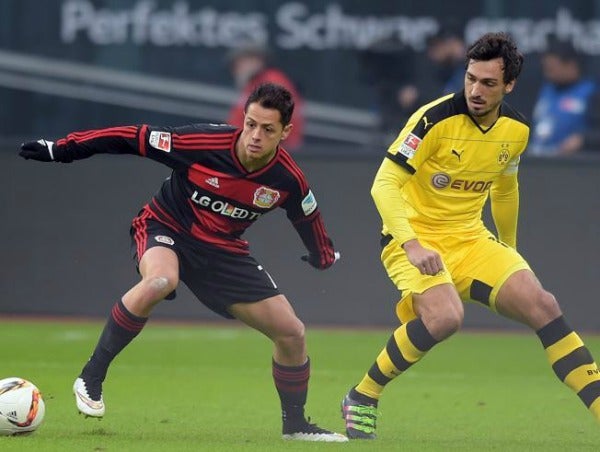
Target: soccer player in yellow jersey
430, 191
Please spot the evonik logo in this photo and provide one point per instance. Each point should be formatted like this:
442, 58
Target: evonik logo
478, 186
443, 180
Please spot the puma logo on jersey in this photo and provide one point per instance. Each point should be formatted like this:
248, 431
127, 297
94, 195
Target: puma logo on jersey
457, 154
426, 123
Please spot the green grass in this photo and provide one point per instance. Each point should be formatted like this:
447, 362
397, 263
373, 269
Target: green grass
201, 387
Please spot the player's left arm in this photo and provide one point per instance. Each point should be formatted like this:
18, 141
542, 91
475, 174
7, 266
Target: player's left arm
303, 211
504, 196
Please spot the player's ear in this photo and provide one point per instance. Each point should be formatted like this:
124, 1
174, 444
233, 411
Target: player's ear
286, 131
509, 87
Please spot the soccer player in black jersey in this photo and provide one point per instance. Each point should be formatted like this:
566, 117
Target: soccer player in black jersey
223, 180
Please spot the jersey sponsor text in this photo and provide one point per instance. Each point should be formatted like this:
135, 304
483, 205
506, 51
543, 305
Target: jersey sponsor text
224, 208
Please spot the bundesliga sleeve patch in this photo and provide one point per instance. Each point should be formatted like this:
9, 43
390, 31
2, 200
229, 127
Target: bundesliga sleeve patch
409, 146
160, 141
309, 203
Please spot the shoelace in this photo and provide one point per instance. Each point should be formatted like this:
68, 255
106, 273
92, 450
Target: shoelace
313, 428
365, 417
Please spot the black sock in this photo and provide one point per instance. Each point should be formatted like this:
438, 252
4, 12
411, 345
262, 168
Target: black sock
292, 385
120, 329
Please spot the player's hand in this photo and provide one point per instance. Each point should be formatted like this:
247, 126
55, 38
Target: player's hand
41, 150
315, 260
427, 261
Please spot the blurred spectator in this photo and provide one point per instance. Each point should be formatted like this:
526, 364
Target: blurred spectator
385, 65
250, 67
564, 108
404, 80
443, 70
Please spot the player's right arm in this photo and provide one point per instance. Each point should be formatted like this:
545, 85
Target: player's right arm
410, 149
172, 146
81, 145
386, 193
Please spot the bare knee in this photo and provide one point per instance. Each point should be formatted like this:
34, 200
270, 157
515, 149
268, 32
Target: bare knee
444, 324
544, 309
441, 313
290, 339
523, 298
158, 287
148, 292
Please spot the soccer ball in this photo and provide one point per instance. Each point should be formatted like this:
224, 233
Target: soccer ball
21, 406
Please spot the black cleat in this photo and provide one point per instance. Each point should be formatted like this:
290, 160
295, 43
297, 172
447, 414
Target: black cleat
360, 418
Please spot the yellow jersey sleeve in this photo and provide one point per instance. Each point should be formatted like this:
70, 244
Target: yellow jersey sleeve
416, 141
386, 193
504, 196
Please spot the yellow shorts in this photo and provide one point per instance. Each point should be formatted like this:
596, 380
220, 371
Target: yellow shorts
477, 265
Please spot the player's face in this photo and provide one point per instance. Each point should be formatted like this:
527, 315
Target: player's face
485, 89
262, 133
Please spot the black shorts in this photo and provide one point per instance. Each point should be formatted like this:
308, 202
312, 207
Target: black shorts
217, 278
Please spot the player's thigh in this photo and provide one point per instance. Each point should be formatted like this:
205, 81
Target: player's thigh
522, 298
155, 247
274, 317
408, 279
483, 266
160, 261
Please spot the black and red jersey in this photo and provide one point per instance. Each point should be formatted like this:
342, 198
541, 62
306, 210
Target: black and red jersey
209, 194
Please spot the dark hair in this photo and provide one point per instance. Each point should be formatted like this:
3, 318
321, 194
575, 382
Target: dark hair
564, 50
448, 29
271, 95
498, 45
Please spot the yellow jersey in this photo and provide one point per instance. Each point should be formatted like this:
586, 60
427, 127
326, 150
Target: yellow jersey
454, 163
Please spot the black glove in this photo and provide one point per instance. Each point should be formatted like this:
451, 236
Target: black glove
315, 260
38, 150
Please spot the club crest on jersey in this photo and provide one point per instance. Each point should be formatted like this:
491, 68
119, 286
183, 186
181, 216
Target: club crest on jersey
265, 197
164, 239
504, 155
160, 141
409, 145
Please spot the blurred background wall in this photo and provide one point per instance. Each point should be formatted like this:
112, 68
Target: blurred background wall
66, 243
78, 64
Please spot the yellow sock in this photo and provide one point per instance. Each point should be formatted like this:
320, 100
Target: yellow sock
406, 346
572, 362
